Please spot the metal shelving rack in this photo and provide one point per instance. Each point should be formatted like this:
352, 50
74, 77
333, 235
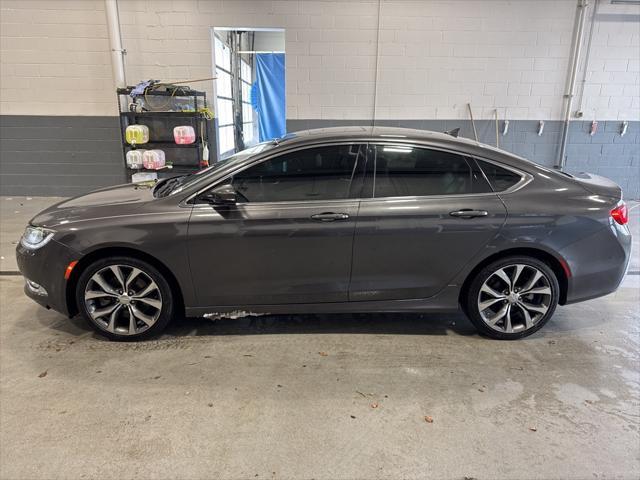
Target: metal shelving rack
183, 158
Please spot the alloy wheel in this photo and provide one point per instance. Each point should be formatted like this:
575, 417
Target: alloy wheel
123, 299
514, 298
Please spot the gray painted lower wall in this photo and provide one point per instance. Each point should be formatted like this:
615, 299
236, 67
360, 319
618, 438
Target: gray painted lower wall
59, 156
47, 155
606, 153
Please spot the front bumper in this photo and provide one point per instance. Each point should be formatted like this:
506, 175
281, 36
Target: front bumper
45, 268
598, 263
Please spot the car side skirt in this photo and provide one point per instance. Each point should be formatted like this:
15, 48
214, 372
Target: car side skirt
445, 301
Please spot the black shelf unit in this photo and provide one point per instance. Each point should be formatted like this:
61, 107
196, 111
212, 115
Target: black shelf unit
183, 158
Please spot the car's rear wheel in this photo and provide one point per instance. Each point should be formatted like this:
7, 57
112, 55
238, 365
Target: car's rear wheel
512, 297
124, 298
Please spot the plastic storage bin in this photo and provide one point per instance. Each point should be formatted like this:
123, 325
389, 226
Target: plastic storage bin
137, 134
144, 177
134, 159
184, 135
153, 159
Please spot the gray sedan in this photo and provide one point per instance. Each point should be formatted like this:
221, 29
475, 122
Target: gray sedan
356, 219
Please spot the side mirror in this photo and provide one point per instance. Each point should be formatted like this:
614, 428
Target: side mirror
222, 195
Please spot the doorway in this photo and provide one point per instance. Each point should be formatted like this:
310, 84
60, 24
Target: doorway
249, 64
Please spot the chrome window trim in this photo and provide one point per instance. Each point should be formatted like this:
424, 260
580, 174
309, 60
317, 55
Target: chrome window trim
285, 203
427, 197
525, 179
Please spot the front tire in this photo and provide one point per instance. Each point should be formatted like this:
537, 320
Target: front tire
512, 297
124, 298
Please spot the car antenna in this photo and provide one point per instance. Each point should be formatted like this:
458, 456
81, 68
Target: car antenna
454, 133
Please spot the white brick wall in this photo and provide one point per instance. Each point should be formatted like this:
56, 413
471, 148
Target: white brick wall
54, 58
434, 56
471, 52
612, 88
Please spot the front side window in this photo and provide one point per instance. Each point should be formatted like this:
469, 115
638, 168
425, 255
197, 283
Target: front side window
322, 173
405, 171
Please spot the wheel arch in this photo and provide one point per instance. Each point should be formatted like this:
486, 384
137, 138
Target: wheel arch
557, 265
105, 252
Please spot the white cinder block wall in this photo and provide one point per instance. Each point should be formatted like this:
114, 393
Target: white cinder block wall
433, 57
54, 58
492, 54
612, 90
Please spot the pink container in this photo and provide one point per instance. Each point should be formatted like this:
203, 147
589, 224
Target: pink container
184, 135
153, 159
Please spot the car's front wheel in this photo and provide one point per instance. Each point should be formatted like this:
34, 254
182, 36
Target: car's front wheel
512, 297
124, 298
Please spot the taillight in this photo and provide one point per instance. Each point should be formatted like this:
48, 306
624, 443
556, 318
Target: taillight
620, 214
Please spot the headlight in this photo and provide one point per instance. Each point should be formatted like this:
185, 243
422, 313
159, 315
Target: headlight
36, 237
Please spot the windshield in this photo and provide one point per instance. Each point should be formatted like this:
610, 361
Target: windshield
174, 185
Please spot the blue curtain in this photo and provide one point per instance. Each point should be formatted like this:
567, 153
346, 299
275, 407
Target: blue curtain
268, 95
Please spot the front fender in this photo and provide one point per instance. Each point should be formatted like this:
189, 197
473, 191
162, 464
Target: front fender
161, 236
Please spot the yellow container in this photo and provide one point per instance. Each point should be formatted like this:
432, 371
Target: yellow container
137, 134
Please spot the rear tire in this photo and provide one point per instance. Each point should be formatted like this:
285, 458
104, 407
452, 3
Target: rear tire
512, 297
124, 298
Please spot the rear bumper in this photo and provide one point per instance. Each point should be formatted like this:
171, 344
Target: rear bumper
598, 263
45, 268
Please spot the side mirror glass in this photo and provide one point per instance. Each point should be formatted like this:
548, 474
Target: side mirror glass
222, 195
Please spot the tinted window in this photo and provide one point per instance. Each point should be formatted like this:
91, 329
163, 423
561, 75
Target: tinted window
500, 178
403, 171
323, 173
179, 183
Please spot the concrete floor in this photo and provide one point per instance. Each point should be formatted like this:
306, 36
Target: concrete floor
324, 397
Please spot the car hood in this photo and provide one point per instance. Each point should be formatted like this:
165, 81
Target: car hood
107, 202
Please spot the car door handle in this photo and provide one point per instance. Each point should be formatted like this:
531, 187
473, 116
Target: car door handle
469, 213
329, 216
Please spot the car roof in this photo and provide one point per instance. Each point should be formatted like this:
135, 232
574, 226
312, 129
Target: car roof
370, 132
409, 135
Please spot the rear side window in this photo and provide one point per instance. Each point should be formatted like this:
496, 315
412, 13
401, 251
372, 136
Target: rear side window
323, 173
500, 178
405, 171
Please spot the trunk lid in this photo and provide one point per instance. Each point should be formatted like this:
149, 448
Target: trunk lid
598, 185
